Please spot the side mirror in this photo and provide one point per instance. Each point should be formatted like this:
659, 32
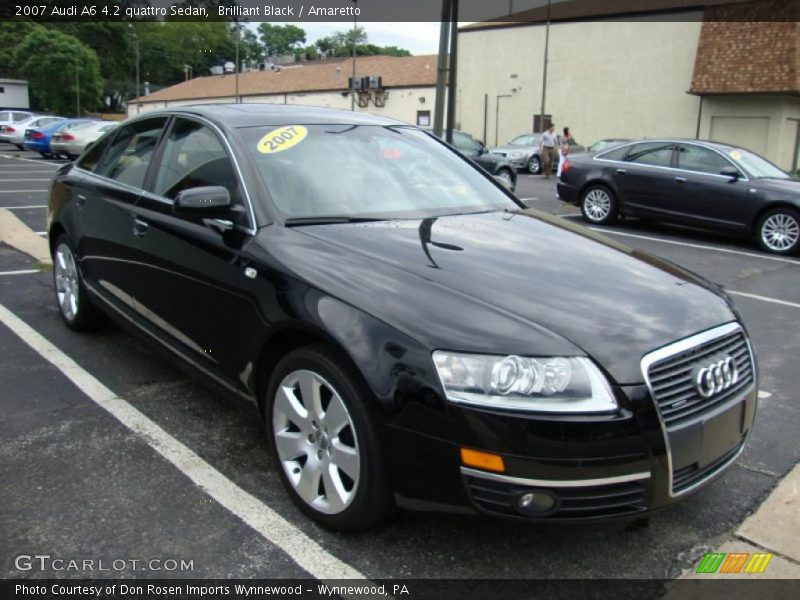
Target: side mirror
731, 172
210, 199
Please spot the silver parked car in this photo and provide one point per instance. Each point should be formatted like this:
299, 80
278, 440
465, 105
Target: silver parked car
15, 133
523, 152
71, 143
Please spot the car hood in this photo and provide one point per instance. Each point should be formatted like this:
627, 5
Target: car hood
515, 283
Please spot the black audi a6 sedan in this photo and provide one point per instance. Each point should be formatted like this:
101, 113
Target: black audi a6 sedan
411, 334
688, 182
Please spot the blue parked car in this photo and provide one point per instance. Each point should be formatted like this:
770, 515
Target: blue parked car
38, 139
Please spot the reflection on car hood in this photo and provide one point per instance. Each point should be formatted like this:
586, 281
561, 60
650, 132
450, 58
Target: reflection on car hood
514, 149
521, 283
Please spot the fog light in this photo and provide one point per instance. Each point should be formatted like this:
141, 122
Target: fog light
536, 503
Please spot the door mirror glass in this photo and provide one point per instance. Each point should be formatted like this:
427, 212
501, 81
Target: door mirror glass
209, 199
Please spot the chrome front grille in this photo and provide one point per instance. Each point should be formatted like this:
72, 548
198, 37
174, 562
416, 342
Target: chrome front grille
673, 376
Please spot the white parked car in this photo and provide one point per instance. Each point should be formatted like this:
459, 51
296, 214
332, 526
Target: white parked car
10, 117
15, 133
71, 143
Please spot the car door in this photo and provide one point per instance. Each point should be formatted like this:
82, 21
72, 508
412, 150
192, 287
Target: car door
112, 177
197, 291
645, 180
707, 197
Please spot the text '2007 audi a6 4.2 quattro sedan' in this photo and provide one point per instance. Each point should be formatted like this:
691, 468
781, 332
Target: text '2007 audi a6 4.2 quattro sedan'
411, 334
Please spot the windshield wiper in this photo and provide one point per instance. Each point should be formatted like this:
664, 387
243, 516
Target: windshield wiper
295, 221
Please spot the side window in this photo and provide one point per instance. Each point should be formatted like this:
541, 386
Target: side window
703, 160
657, 154
6, 116
130, 153
194, 156
93, 154
615, 154
465, 143
19, 116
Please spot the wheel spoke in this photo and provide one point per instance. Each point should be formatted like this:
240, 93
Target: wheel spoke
336, 417
308, 483
288, 409
310, 392
291, 444
346, 458
335, 493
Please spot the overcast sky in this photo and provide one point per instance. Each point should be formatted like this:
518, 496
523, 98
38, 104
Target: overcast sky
417, 38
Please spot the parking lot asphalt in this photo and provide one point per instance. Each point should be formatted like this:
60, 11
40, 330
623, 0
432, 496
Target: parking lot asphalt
79, 481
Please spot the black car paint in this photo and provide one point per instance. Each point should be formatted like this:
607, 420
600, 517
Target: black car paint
671, 194
387, 294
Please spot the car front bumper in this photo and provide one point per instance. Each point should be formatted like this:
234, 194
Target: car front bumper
642, 458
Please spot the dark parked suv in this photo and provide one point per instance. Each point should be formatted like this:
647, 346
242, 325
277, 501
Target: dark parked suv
410, 333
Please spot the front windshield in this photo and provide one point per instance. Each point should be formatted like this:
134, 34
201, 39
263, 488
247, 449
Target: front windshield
756, 165
522, 140
366, 171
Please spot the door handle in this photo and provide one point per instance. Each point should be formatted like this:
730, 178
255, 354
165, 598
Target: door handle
140, 227
680, 179
81, 200
621, 171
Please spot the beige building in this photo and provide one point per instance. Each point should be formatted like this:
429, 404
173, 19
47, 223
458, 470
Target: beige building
719, 72
407, 90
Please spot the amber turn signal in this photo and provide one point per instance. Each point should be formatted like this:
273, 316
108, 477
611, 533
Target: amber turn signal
482, 460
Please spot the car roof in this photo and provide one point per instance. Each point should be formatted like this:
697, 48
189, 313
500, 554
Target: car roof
256, 114
720, 146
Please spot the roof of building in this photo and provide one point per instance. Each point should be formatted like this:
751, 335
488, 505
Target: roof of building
312, 76
747, 49
577, 10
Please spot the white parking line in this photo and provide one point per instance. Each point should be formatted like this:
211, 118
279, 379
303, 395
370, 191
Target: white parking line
24, 207
19, 191
764, 298
690, 245
764, 395
309, 555
23, 272
17, 180
21, 172
38, 162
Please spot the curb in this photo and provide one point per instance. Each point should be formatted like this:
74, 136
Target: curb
21, 237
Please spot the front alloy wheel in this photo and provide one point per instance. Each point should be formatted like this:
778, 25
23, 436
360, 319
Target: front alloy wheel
535, 165
779, 231
505, 176
598, 205
323, 438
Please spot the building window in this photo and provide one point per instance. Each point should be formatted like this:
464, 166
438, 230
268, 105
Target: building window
540, 125
424, 118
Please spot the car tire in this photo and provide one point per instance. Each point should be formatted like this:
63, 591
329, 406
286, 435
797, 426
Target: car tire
778, 231
535, 165
508, 178
20, 146
72, 299
327, 455
598, 205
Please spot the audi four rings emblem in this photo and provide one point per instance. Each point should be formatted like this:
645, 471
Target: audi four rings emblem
716, 377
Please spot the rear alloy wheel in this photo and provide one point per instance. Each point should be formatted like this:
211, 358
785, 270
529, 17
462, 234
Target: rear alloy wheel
323, 440
598, 205
535, 165
73, 302
779, 231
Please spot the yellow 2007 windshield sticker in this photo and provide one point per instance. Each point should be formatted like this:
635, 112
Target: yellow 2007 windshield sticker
735, 155
282, 138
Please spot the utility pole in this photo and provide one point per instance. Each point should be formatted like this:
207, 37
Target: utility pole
77, 87
452, 79
544, 70
138, 104
441, 70
236, 76
353, 79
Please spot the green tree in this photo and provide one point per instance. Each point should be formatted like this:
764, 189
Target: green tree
54, 63
341, 43
280, 39
12, 33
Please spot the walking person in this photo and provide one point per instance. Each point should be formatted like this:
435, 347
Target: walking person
548, 150
563, 149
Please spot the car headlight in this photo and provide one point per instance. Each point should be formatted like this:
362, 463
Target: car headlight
516, 154
547, 384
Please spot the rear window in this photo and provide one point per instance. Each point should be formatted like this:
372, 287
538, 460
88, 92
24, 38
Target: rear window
615, 154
